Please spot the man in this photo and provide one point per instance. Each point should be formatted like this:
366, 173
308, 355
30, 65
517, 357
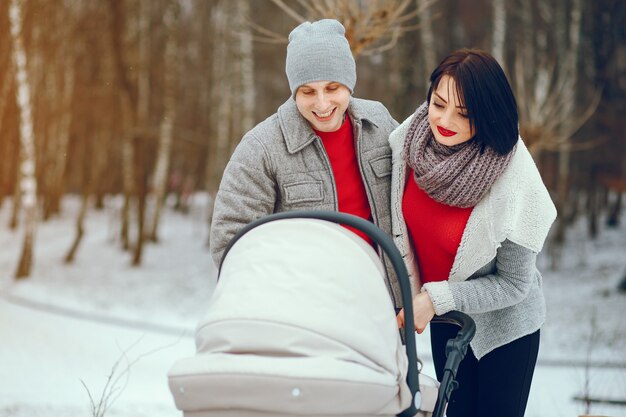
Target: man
322, 149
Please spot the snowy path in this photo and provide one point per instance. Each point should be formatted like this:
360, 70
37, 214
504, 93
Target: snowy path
44, 352
41, 366
46, 364
557, 382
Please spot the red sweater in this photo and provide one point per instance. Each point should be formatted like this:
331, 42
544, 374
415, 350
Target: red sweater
351, 195
435, 228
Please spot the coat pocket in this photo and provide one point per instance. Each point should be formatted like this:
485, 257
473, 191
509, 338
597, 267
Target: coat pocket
381, 166
304, 192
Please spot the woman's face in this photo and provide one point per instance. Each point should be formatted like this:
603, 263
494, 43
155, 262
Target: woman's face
447, 116
323, 104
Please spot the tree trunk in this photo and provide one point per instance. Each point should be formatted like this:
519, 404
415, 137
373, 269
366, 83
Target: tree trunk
80, 229
16, 207
129, 105
143, 79
429, 48
499, 31
570, 36
100, 153
7, 83
615, 209
221, 92
563, 209
55, 178
592, 204
142, 180
28, 180
86, 157
128, 178
245, 59
167, 123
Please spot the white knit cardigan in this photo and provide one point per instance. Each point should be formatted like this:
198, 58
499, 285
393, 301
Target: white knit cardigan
517, 208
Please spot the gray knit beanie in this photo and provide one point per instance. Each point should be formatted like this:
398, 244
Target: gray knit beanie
319, 51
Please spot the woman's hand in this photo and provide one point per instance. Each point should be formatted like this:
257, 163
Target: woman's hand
400, 319
423, 312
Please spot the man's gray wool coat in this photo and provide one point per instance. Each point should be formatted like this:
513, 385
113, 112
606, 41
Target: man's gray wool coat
281, 165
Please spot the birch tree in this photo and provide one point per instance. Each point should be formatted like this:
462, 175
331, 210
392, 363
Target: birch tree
232, 87
133, 146
128, 108
222, 89
167, 122
28, 182
246, 91
221, 95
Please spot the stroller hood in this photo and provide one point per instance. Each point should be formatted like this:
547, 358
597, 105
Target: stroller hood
300, 323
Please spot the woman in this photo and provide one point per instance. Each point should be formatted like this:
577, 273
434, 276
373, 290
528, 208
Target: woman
470, 213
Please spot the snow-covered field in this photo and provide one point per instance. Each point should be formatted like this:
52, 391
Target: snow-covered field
71, 323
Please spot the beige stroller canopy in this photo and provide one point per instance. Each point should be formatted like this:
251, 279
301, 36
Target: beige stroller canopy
300, 324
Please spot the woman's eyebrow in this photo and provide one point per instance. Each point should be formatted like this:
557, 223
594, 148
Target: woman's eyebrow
441, 98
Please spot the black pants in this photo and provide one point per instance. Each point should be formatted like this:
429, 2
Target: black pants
496, 386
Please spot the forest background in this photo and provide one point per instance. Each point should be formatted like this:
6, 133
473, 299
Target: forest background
148, 98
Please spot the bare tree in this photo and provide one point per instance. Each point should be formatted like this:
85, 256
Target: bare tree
128, 99
5, 90
222, 95
545, 81
143, 78
232, 87
427, 38
499, 30
107, 98
167, 122
546, 89
28, 180
134, 148
62, 74
371, 27
246, 90
84, 153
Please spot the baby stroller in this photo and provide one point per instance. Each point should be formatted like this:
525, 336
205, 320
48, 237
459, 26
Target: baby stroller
301, 324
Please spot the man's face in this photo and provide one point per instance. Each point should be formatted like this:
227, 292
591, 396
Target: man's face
323, 104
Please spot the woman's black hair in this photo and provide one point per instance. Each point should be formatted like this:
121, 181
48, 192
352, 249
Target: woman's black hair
484, 90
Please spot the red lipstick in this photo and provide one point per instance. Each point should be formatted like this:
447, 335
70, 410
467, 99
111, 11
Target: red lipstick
446, 132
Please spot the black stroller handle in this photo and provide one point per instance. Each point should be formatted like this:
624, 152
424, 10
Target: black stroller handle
394, 256
465, 322
455, 352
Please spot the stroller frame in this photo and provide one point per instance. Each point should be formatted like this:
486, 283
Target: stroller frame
455, 348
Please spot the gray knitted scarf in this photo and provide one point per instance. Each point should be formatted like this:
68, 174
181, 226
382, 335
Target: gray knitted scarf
458, 175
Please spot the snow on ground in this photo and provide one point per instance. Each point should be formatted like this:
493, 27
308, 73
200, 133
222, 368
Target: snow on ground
170, 288
157, 305
585, 313
44, 366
